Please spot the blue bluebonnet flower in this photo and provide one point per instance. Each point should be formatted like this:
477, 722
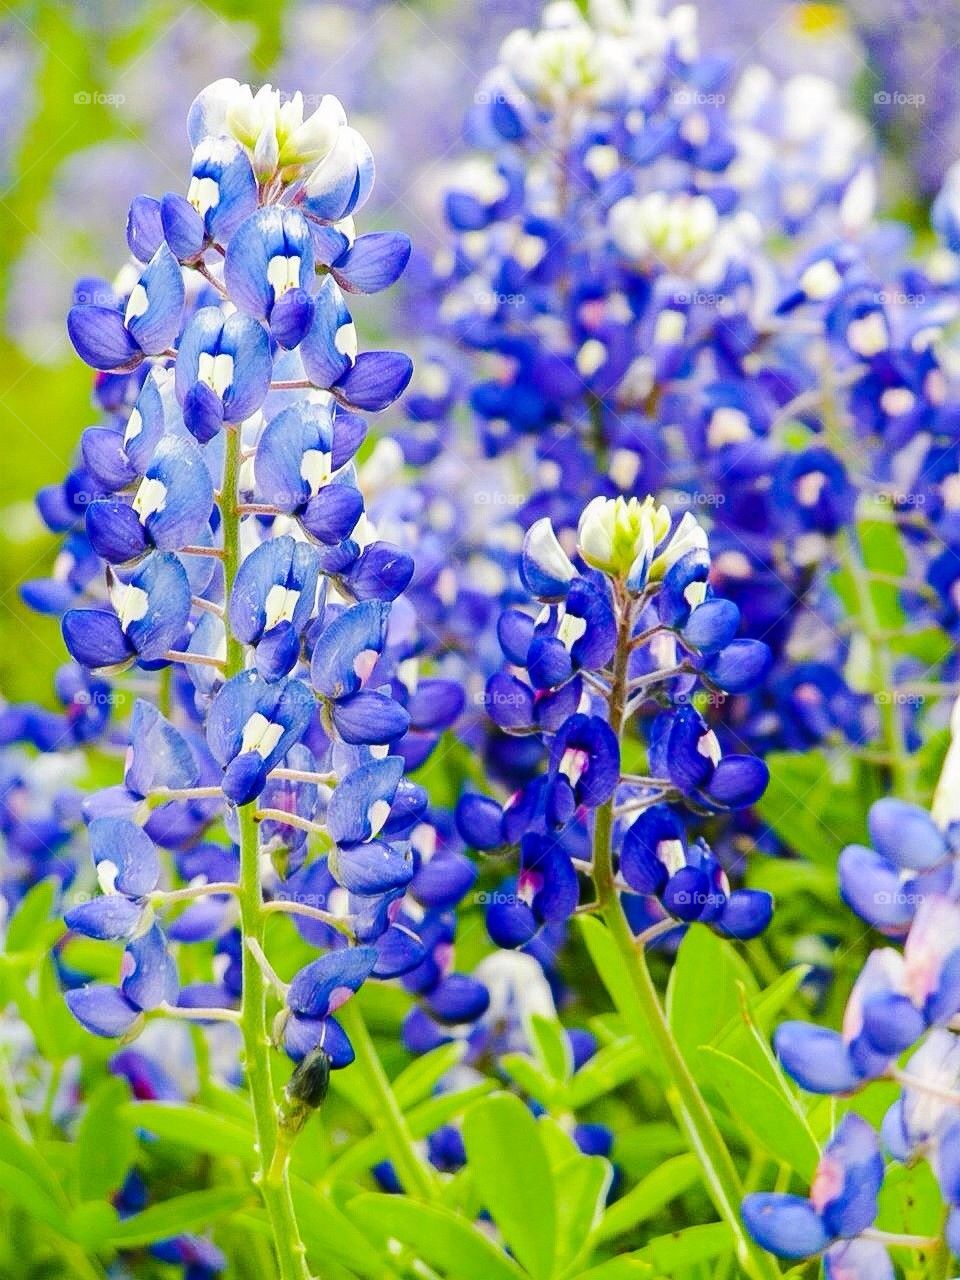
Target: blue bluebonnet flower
627, 623
149, 615
843, 1202
218, 537
122, 333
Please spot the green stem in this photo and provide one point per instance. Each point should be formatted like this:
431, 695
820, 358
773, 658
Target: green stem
257, 1046
883, 676
415, 1176
683, 1094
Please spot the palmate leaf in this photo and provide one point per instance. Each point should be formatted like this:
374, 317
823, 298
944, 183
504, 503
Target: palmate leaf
512, 1177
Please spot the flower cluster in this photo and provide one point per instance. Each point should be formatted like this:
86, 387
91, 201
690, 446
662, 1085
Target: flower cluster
637, 629
217, 518
630, 321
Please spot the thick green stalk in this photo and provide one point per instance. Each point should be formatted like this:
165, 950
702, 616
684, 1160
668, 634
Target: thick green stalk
257, 1046
683, 1093
415, 1176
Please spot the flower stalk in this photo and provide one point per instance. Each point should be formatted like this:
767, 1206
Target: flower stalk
684, 1096
273, 1181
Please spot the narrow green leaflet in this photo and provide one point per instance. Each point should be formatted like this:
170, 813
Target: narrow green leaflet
552, 1046
106, 1142
195, 1127
194, 1211
703, 996
512, 1177
442, 1239
418, 1080
764, 1111
649, 1196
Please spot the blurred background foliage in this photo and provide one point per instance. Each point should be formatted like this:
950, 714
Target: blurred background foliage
93, 95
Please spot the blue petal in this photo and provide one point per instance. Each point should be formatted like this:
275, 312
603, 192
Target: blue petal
267, 235
871, 886
164, 581
329, 347
380, 572
357, 634
786, 1225
183, 227
479, 821
360, 803
371, 868
332, 514
303, 1035
95, 639
144, 229
815, 1057
326, 984
125, 846
374, 381
280, 464
155, 307
103, 1010
746, 914
369, 717
111, 916
906, 835
458, 998
150, 975
373, 262
114, 530
101, 338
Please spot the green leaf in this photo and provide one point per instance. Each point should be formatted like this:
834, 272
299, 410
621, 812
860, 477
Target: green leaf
530, 1078
814, 803
418, 1080
331, 1234
511, 1174
106, 1143
910, 1201
194, 1211
20, 1189
609, 965
686, 1248
649, 1196
194, 1127
777, 995
585, 1181
423, 1120
608, 1069
92, 1223
440, 1238
23, 1155
552, 1046
624, 1268
31, 927
703, 995
765, 1112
